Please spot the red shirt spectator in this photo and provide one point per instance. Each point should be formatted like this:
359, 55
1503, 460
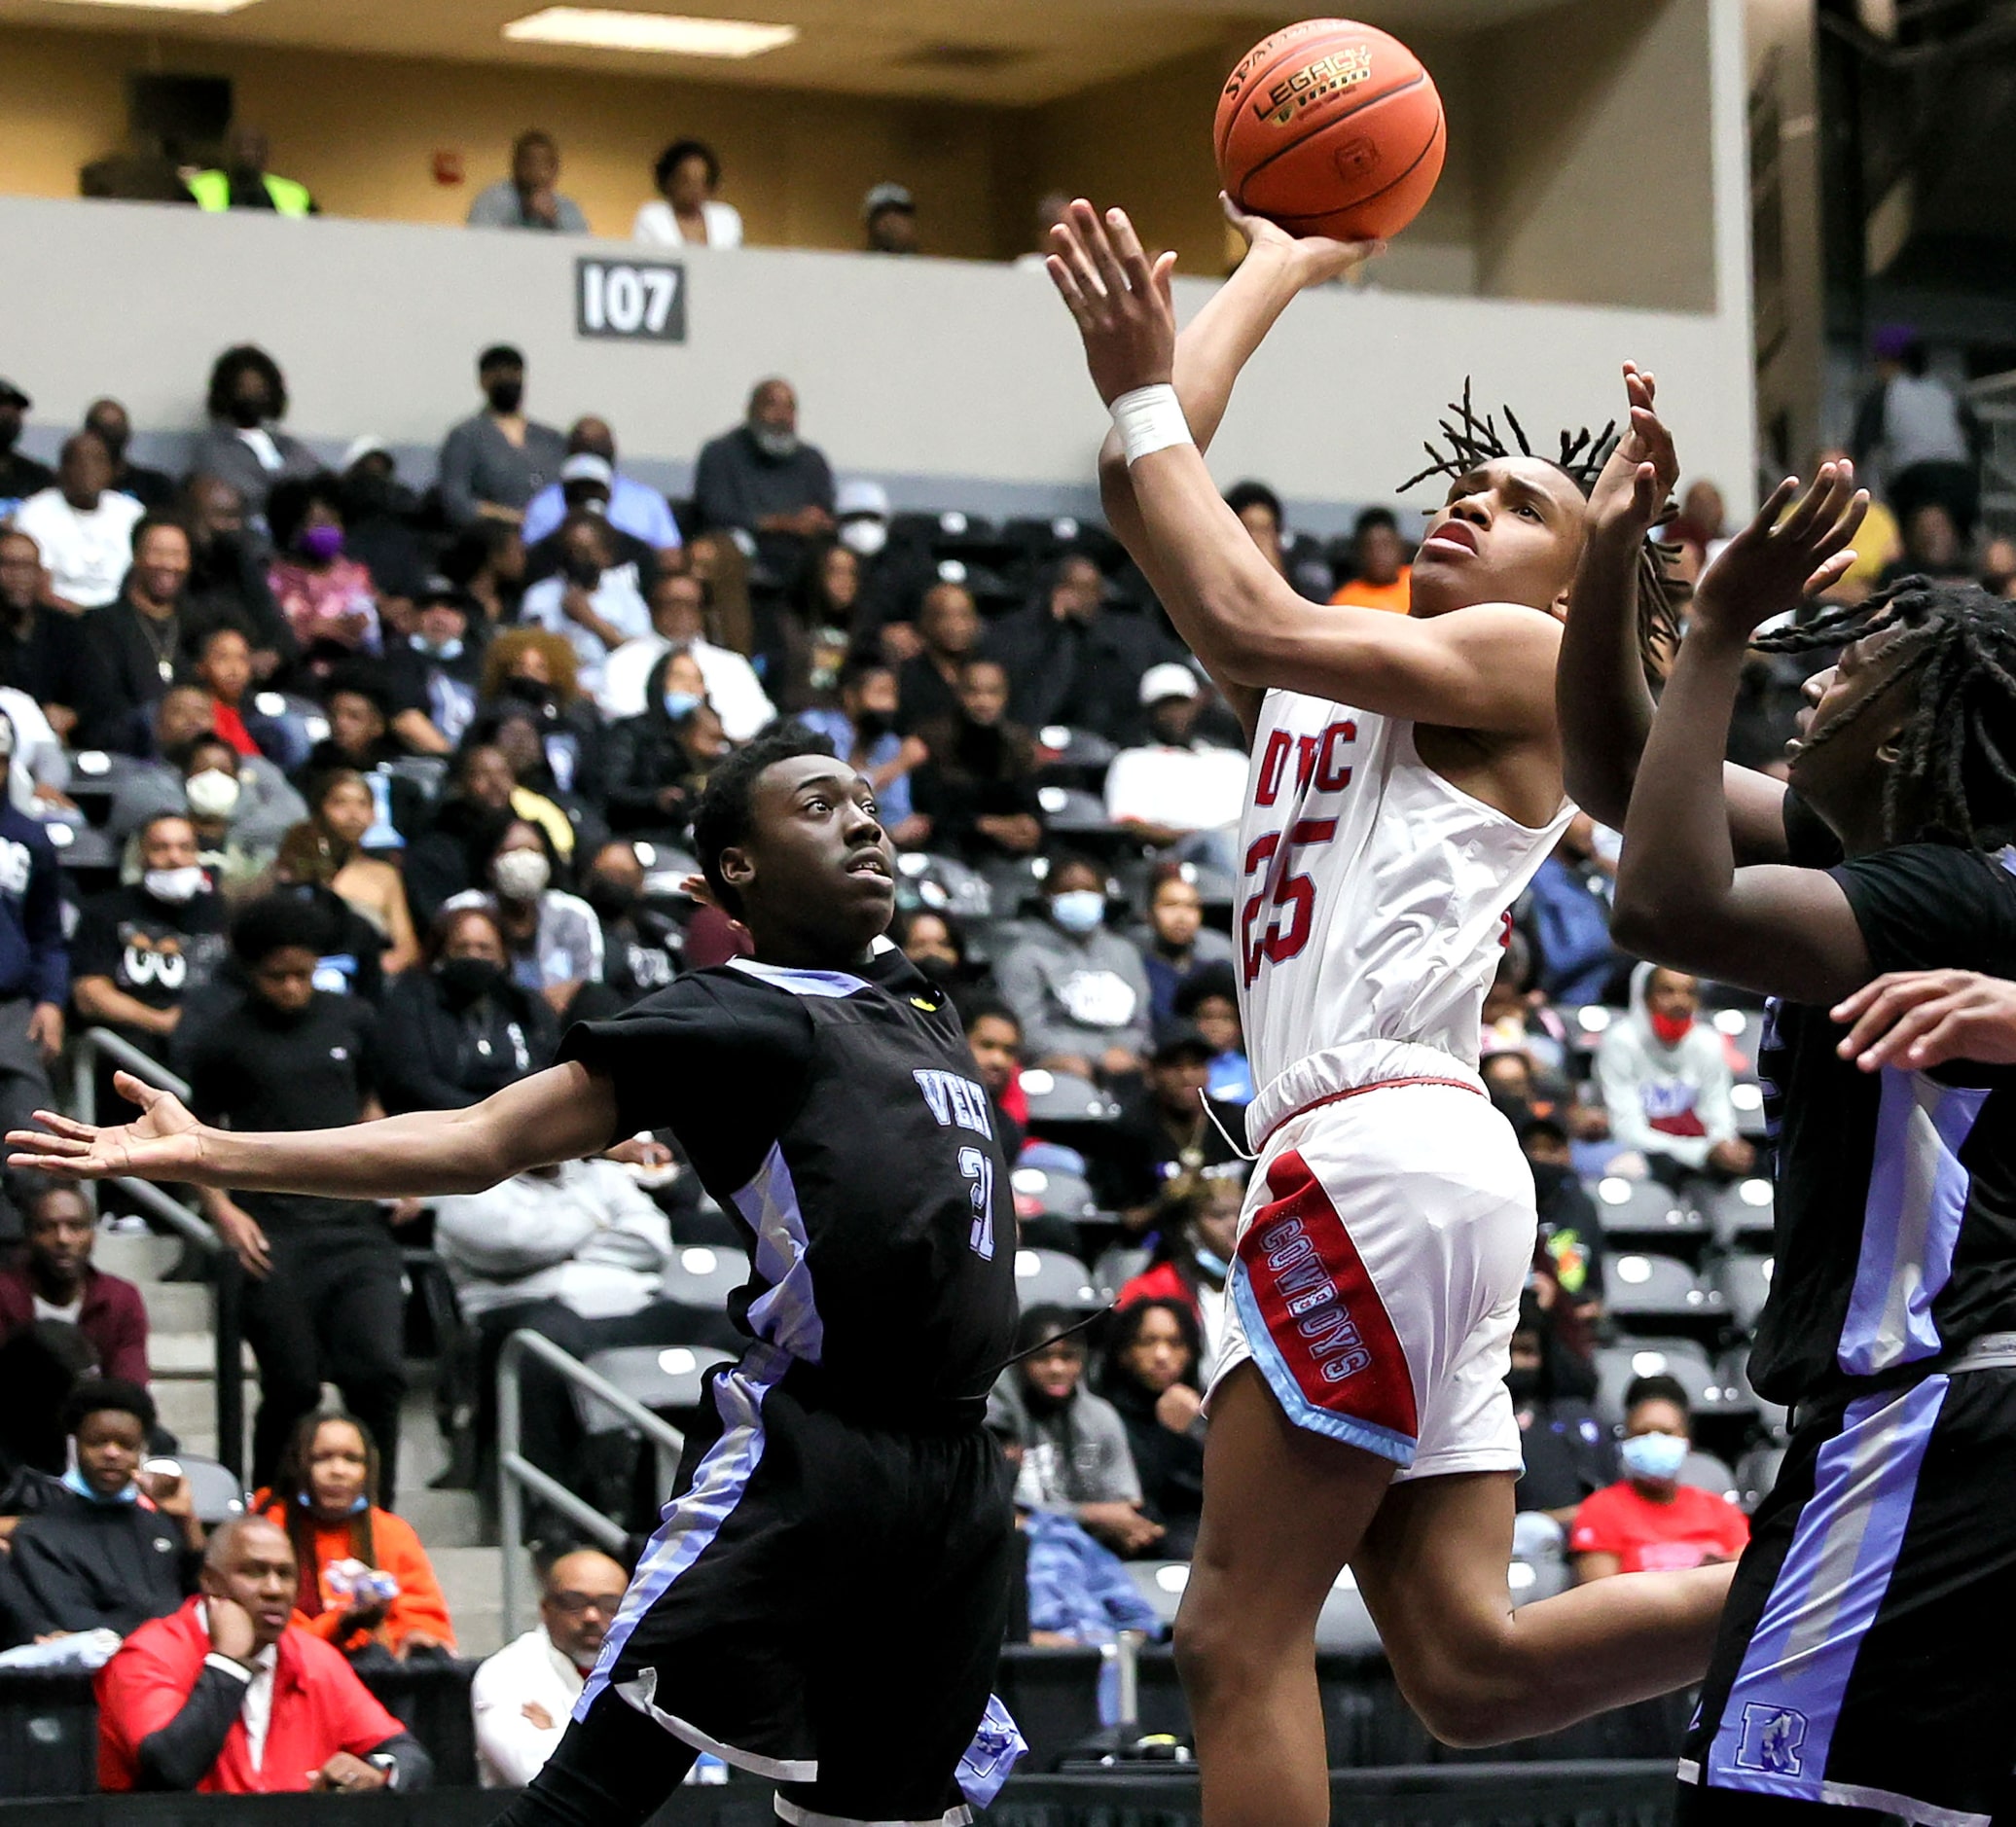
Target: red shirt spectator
56, 1280
1685, 1530
225, 1696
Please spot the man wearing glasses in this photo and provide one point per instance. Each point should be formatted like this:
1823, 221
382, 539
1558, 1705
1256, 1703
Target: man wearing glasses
522, 1694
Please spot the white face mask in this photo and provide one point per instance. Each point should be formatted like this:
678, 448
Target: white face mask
521, 875
212, 794
864, 538
174, 885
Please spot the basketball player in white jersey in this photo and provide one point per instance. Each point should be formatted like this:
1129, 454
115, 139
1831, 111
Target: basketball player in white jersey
1406, 782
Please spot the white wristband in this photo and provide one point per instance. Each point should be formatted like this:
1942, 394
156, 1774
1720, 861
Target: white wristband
1150, 419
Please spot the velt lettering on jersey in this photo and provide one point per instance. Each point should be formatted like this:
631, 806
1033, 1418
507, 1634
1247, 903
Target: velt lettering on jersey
956, 1102
15, 864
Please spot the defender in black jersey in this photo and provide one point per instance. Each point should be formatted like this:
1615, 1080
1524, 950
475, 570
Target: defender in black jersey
826, 1598
1863, 1666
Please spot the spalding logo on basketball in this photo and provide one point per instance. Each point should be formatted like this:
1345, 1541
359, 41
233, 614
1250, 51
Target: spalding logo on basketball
1331, 128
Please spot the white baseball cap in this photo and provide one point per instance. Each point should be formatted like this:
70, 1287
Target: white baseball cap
862, 496
1171, 679
584, 466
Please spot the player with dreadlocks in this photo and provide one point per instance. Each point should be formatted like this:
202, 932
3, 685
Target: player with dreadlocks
1862, 1673
1406, 784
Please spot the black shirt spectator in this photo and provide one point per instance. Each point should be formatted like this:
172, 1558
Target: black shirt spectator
34, 960
378, 530
1074, 661
977, 789
653, 776
452, 855
113, 1548
134, 644
432, 677
1569, 1452
151, 488
1151, 1372
761, 477
642, 946
323, 1297
40, 649
1164, 1131
927, 684
227, 575
20, 476
459, 1028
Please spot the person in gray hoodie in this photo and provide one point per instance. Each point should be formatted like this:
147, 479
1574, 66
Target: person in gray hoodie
1666, 1082
1080, 991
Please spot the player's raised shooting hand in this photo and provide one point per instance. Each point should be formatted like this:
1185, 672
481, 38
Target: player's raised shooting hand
1119, 299
1637, 481
1310, 259
1783, 556
163, 1145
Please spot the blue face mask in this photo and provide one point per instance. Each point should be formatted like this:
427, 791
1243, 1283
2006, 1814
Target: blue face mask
679, 705
74, 1480
357, 1508
1655, 1456
450, 649
1078, 910
1211, 1263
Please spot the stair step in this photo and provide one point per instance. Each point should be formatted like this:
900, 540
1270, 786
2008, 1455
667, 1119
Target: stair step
137, 1255
177, 1307
443, 1519
472, 1582
190, 1355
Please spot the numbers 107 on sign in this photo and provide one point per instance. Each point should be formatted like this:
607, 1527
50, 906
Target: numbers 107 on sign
633, 301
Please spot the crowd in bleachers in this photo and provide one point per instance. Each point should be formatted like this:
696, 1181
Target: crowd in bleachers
335, 797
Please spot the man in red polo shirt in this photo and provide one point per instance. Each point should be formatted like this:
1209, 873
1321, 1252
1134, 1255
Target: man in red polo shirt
225, 1696
56, 1280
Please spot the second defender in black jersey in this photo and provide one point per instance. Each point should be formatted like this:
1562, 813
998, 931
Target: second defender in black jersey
825, 1600
1862, 1667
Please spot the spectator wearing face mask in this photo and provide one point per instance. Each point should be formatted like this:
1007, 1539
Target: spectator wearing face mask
432, 675
678, 602
532, 709
1075, 1455
657, 762
246, 798
244, 444
1648, 1521
233, 847
328, 598
642, 946
82, 526
143, 949
1175, 784
1080, 990
116, 1546
554, 939
863, 733
459, 1028
133, 646
523, 1695
1175, 941
1196, 1228
975, 792
1666, 1082
226, 573
594, 602
1569, 1452
56, 1280
762, 478
495, 461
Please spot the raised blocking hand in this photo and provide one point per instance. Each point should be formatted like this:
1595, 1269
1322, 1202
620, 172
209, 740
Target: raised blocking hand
1637, 481
1782, 557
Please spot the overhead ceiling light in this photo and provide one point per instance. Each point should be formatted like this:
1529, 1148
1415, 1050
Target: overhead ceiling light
166, 5
608, 30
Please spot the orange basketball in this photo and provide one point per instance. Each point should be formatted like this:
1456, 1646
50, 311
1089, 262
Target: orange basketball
1331, 128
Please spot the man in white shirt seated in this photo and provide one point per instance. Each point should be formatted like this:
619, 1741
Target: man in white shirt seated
1175, 784
634, 508
523, 1695
82, 525
678, 604
593, 600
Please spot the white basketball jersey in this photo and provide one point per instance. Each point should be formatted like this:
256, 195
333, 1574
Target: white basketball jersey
1374, 905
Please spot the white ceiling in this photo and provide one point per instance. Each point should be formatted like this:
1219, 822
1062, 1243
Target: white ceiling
1014, 52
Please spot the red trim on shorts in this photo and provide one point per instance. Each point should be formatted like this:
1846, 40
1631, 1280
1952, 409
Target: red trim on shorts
1323, 1322
1359, 1091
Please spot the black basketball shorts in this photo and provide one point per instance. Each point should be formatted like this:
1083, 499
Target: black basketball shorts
1867, 1657
824, 1605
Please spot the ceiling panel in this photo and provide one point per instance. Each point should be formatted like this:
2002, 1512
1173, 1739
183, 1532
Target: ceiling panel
1007, 51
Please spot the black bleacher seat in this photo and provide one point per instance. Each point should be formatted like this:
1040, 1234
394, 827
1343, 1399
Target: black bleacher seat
1071, 812
1051, 1278
1738, 1213
703, 1275
1746, 1285
945, 885
671, 1380
1065, 1100
1642, 1290
1619, 1366
1645, 1210
1746, 1096
1117, 1266
1051, 1192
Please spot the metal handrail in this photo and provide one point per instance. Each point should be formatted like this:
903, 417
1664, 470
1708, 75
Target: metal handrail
223, 1263
515, 1474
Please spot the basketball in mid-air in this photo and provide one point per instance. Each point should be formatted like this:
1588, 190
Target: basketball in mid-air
1331, 128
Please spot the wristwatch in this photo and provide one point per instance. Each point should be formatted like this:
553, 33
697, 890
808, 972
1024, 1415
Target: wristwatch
386, 1762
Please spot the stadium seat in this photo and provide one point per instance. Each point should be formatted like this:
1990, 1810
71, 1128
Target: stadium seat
1051, 1192
1084, 752
1051, 1278
1644, 1209
1748, 1097
1117, 1266
428, 773
1062, 1097
1703, 1471
1587, 1023
1734, 1370
945, 885
213, 1489
1619, 1366
1161, 1583
1073, 810
703, 1275
670, 1381
1645, 1287
1742, 1211
1743, 1029
1745, 1283
1756, 1472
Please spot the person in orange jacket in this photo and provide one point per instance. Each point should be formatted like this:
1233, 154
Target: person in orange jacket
323, 1498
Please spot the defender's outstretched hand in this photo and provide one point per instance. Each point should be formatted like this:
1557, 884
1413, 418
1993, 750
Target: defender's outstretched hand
1638, 481
1921, 1018
1118, 298
1783, 556
1313, 259
163, 1145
